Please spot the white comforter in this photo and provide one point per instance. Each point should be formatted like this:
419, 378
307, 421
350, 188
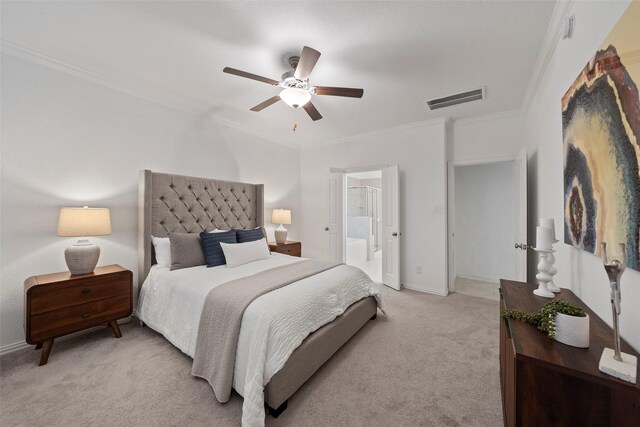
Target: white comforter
273, 325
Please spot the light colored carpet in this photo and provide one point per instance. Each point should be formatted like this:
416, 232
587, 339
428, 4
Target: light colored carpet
432, 362
477, 288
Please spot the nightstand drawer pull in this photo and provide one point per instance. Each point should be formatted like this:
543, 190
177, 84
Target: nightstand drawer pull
85, 315
86, 290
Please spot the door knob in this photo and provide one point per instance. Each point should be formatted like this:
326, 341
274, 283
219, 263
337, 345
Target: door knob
326, 229
394, 234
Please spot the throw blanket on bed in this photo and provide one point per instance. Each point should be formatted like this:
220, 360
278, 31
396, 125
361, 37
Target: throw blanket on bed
215, 354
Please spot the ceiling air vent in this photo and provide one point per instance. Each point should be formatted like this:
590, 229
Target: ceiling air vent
458, 98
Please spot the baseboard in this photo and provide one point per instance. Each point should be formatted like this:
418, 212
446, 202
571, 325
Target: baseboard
479, 279
433, 291
10, 348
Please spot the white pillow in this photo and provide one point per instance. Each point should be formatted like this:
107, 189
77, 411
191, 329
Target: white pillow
163, 251
242, 253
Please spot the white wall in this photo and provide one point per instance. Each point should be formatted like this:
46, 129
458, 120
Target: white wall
488, 137
579, 270
420, 153
69, 142
485, 209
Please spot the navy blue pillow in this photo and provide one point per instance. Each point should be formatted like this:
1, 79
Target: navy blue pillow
244, 236
212, 249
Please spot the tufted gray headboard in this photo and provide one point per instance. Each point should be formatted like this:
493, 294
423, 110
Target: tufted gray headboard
184, 204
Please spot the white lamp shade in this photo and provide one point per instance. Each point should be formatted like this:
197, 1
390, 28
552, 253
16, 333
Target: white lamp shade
281, 216
294, 97
78, 222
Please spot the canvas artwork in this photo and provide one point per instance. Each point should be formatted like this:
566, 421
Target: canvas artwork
601, 137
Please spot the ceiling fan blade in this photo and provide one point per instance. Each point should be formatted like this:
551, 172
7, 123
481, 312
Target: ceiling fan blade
339, 91
312, 111
307, 61
266, 103
250, 76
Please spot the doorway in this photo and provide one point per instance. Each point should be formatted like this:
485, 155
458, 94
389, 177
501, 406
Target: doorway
388, 218
487, 221
363, 237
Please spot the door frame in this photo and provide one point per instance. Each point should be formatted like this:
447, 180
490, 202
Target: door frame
451, 217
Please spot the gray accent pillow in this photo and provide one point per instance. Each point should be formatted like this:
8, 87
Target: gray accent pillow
186, 250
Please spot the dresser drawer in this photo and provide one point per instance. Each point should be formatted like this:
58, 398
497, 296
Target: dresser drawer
66, 294
67, 320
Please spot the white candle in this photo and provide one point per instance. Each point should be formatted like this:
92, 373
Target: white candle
548, 222
543, 238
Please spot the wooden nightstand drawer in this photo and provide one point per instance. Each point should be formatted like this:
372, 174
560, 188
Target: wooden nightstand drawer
67, 294
79, 317
290, 248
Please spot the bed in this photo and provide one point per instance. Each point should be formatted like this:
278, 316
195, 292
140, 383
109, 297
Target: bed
174, 203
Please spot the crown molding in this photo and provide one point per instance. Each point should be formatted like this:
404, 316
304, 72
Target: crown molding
443, 120
245, 129
164, 98
560, 12
172, 100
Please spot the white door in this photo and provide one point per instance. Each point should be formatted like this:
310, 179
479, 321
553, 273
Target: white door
391, 227
521, 217
335, 242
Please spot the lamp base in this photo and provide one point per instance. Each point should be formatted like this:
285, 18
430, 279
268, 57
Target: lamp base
82, 259
625, 369
281, 235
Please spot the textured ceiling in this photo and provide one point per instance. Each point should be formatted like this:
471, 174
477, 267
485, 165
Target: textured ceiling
401, 53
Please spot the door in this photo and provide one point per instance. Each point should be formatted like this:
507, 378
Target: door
334, 240
391, 227
521, 246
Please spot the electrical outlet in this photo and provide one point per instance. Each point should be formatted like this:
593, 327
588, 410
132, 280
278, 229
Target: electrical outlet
419, 269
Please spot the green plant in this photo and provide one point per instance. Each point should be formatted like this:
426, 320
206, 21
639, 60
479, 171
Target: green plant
545, 318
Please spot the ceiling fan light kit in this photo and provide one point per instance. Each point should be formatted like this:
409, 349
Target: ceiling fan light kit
295, 97
296, 91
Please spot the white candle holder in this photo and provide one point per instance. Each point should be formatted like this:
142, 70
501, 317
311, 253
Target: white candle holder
552, 271
544, 276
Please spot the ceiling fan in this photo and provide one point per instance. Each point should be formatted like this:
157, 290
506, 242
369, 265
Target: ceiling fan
296, 90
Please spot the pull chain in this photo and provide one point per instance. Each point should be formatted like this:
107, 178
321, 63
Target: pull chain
295, 125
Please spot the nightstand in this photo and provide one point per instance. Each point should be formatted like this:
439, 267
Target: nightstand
59, 304
289, 248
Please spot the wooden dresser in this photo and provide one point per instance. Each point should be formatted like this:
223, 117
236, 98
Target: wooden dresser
59, 304
289, 248
546, 383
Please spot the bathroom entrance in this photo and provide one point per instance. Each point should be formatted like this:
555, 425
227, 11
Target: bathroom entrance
363, 237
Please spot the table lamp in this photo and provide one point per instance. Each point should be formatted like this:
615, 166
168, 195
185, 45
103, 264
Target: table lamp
82, 257
281, 216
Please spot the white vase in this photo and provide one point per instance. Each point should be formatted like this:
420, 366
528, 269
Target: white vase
572, 330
